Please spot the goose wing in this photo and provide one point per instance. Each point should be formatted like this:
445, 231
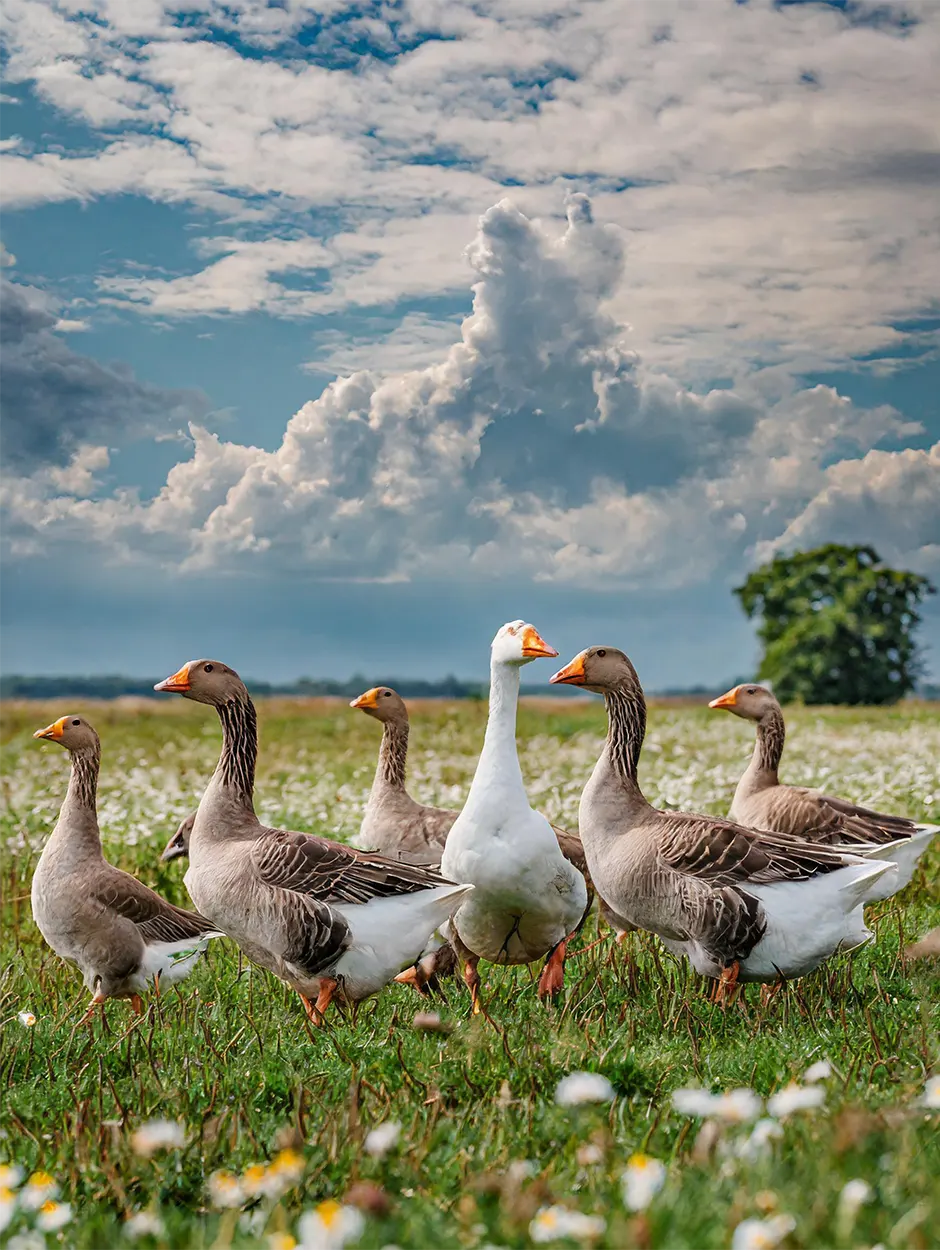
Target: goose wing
721, 853
804, 813
332, 873
157, 920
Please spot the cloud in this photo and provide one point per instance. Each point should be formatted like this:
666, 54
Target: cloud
538, 445
774, 167
55, 400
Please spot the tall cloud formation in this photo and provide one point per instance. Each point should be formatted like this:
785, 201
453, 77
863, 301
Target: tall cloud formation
54, 400
540, 446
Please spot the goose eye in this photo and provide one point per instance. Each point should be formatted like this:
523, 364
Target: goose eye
752, 690
388, 694
602, 652
208, 668
76, 722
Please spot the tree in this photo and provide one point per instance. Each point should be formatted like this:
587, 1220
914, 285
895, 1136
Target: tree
837, 625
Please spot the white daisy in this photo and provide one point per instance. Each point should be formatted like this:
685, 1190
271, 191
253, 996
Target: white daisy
582, 1087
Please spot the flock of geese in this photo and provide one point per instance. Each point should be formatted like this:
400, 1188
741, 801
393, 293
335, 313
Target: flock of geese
766, 895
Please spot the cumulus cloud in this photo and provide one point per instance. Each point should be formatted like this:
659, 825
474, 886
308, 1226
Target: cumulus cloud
54, 400
538, 445
776, 166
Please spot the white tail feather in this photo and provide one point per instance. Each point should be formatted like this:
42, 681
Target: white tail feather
388, 934
170, 962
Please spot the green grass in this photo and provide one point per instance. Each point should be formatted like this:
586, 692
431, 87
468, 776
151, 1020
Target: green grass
231, 1056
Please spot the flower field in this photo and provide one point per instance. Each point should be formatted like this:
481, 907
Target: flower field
631, 1113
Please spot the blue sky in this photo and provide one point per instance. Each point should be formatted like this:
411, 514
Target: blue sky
335, 339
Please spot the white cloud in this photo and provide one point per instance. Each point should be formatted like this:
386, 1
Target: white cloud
775, 168
537, 445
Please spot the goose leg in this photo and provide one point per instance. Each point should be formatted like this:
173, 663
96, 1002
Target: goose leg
137, 1005
769, 992
552, 980
416, 977
328, 988
727, 984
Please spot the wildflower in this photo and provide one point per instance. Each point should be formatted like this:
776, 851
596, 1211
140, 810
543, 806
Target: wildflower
330, 1226
758, 1143
931, 1095
26, 1019
381, 1139
819, 1071
11, 1175
27, 1241
158, 1135
287, 1167
762, 1234
795, 1098
554, 1223
853, 1197
256, 1182
38, 1189
281, 1241
53, 1216
737, 1106
589, 1154
144, 1224
7, 1206
581, 1087
642, 1180
225, 1190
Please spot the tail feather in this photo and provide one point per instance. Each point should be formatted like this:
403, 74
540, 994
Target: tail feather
170, 962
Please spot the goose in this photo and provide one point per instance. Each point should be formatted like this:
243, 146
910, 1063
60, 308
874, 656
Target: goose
393, 822
763, 803
326, 919
740, 904
529, 899
123, 937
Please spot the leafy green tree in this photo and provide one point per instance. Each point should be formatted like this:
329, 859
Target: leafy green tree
837, 625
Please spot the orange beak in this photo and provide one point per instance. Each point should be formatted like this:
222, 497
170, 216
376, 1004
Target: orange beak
54, 731
535, 647
572, 674
726, 700
369, 699
177, 684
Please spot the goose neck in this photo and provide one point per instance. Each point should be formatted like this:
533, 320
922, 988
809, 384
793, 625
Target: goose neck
500, 756
626, 729
235, 772
393, 754
76, 830
768, 746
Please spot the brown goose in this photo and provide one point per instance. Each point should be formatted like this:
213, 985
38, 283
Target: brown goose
393, 822
738, 903
762, 802
324, 918
123, 937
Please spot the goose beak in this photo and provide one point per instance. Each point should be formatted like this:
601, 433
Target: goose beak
728, 700
54, 731
572, 674
177, 684
369, 699
174, 849
535, 647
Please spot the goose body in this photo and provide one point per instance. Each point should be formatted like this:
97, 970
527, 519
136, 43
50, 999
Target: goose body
321, 916
762, 802
739, 903
123, 937
528, 898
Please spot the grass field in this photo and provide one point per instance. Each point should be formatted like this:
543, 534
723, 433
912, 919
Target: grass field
483, 1147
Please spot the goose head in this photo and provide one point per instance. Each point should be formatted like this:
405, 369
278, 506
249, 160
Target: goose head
382, 702
749, 702
205, 681
598, 669
518, 643
178, 845
72, 732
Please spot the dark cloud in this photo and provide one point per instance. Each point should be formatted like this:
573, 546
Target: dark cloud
52, 399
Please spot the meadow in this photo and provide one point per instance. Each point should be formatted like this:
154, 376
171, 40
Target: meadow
414, 1125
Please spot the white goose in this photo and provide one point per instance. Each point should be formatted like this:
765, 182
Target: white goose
527, 899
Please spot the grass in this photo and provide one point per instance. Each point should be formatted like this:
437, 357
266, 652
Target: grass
483, 1145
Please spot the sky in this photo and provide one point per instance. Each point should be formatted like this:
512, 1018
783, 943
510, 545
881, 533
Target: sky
335, 335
